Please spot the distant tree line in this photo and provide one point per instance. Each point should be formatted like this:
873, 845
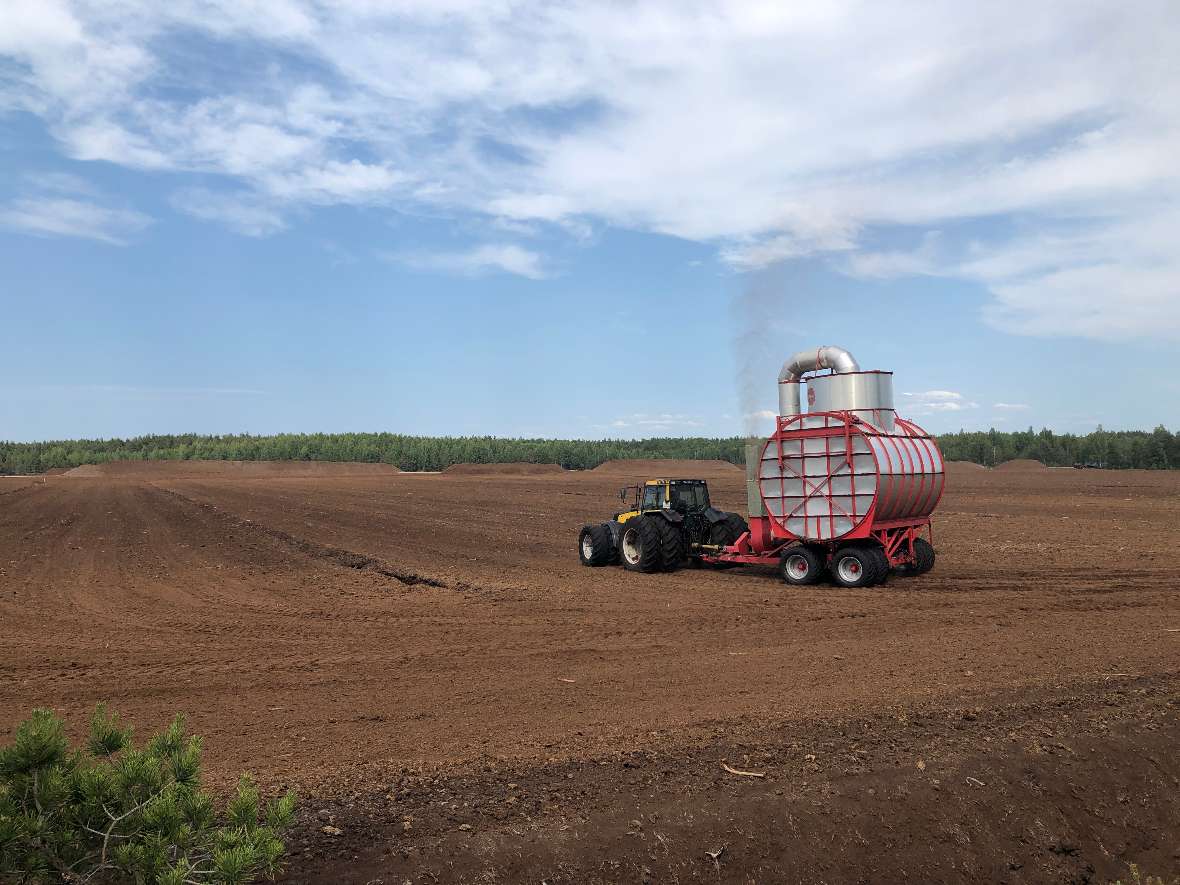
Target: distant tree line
405, 452
1155, 450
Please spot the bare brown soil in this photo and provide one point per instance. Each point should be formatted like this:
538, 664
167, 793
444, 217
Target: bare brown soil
12, 483
512, 468
230, 469
425, 660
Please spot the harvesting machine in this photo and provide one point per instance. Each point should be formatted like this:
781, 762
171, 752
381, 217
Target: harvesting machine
845, 488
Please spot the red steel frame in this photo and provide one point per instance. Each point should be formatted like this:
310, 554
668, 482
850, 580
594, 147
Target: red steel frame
765, 542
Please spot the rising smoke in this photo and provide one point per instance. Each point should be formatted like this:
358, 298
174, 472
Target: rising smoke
767, 315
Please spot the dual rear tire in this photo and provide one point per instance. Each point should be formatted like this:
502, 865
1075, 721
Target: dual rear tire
651, 544
726, 531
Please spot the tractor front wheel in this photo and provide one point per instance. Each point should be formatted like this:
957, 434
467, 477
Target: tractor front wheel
640, 545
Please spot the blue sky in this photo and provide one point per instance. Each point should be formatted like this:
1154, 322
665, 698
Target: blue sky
581, 221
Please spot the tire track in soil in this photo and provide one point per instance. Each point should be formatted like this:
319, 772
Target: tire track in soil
334, 555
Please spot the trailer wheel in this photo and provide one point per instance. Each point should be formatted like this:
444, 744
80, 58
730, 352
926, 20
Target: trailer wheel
923, 559
672, 548
883, 567
595, 546
639, 545
800, 566
923, 556
854, 567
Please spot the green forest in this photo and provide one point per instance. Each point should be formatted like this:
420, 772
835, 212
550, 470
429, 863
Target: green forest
1154, 450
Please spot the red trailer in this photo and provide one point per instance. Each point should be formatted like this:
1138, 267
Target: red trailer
846, 488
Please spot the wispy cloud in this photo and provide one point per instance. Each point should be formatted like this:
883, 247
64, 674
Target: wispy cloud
1012, 406
930, 402
244, 213
61, 204
492, 257
654, 422
68, 217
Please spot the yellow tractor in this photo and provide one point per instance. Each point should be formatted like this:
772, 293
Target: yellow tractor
669, 522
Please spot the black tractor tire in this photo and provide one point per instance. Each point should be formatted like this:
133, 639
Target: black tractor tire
673, 549
596, 546
923, 559
640, 544
923, 555
800, 566
725, 532
854, 566
883, 567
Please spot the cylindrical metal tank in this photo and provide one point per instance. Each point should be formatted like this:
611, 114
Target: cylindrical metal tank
868, 395
822, 477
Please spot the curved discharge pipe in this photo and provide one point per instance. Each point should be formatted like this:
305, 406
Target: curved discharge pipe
827, 357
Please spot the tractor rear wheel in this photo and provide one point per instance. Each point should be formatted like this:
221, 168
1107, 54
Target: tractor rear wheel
800, 566
725, 532
640, 545
595, 545
672, 546
883, 567
854, 566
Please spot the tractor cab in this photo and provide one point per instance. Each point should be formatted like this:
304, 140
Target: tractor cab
684, 496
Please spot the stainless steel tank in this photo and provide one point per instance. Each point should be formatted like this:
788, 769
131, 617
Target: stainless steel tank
868, 395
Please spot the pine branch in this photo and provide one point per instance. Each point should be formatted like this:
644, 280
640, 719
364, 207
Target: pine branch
125, 814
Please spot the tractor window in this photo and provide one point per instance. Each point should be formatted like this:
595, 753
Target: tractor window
690, 498
653, 497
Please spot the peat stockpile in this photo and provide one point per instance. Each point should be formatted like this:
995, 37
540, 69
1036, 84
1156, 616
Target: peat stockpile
513, 468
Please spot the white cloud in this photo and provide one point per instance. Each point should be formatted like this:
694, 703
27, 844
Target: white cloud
930, 402
1012, 406
773, 131
503, 257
